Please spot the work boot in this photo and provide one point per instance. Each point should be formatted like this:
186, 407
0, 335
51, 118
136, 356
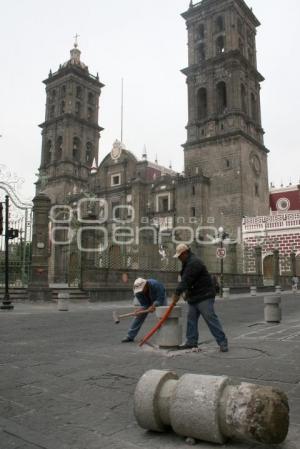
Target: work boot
187, 346
127, 340
224, 347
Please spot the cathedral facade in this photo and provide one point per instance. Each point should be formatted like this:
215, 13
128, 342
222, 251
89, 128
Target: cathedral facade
225, 176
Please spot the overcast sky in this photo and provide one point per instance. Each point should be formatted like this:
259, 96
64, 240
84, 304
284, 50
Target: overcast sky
144, 42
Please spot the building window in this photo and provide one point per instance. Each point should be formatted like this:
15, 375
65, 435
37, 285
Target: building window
221, 97
201, 32
91, 98
78, 109
220, 45
76, 149
116, 210
253, 107
227, 163
193, 212
62, 107
193, 190
220, 26
244, 98
59, 148
240, 26
115, 180
202, 103
48, 152
251, 56
79, 92
53, 95
256, 189
63, 91
241, 46
90, 114
52, 112
89, 153
201, 52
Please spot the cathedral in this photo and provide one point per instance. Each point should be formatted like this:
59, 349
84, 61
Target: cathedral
225, 173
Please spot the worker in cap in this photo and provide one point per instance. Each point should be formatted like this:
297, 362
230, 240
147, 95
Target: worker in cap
200, 292
150, 294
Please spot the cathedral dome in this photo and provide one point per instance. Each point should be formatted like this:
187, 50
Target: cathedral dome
75, 59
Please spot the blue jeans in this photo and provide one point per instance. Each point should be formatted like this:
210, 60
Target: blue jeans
138, 322
206, 309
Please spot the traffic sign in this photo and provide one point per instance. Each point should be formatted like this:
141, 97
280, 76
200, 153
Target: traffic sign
221, 253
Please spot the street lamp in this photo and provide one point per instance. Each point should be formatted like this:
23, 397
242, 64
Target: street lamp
222, 236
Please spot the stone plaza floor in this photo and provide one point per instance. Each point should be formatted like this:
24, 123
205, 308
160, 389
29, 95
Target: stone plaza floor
66, 381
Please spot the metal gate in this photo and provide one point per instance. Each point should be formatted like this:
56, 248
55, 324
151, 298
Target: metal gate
20, 218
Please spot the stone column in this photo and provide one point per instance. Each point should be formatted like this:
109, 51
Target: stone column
38, 289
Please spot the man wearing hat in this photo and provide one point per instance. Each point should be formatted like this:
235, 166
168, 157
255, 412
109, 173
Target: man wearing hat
150, 294
200, 292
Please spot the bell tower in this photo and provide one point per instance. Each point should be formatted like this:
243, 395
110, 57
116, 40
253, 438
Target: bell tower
70, 132
224, 130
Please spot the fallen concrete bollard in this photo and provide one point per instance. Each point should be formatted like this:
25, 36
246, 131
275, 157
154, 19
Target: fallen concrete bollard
210, 408
253, 291
63, 301
272, 309
170, 334
226, 293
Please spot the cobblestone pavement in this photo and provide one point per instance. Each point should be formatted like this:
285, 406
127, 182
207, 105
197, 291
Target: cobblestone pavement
67, 382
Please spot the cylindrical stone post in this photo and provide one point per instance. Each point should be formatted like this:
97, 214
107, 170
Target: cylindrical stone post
253, 290
170, 334
63, 300
272, 309
211, 408
226, 293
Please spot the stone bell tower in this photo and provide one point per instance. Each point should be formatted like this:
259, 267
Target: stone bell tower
224, 130
70, 132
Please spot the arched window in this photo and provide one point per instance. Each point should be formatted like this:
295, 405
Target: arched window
77, 108
253, 107
244, 98
76, 149
201, 32
201, 52
90, 113
79, 92
90, 98
220, 45
241, 46
48, 152
221, 98
59, 148
63, 90
202, 103
62, 107
220, 26
89, 153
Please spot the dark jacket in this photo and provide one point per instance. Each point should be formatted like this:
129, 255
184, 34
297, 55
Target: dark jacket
195, 281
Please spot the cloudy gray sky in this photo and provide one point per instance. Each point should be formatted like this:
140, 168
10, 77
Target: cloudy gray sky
144, 42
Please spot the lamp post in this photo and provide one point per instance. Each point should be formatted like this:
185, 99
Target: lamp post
6, 303
222, 236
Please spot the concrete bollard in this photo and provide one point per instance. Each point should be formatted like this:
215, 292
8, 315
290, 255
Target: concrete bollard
226, 293
272, 310
278, 289
294, 288
253, 290
63, 301
210, 408
170, 334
